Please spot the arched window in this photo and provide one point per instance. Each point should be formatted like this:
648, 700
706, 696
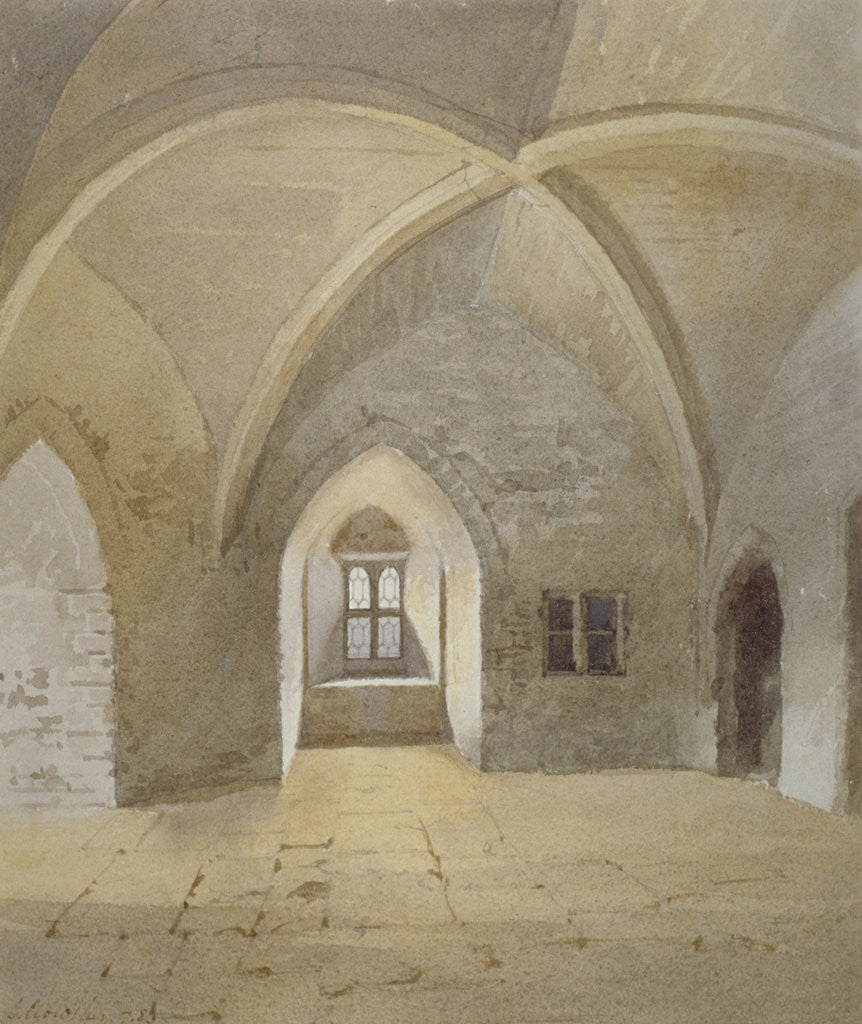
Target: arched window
388, 630
373, 552
357, 633
373, 613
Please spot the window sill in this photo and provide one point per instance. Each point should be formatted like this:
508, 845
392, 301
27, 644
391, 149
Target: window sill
356, 681
578, 674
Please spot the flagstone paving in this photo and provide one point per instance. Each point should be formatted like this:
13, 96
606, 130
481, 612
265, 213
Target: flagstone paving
398, 885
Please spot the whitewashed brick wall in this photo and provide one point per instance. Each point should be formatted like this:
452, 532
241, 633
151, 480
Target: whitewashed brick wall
56, 643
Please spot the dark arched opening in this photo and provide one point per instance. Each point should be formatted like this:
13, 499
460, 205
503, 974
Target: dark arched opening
749, 626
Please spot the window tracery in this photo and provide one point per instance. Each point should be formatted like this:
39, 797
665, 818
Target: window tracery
373, 613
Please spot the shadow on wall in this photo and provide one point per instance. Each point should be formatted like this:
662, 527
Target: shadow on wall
749, 625
393, 655
56, 646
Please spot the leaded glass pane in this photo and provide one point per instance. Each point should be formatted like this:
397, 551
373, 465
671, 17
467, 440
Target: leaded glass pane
389, 636
358, 589
389, 589
358, 637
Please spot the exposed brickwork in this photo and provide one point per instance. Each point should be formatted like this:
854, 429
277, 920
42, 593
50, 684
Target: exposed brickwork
56, 744
56, 645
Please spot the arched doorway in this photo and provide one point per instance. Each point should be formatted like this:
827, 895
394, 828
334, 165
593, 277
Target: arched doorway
854, 654
379, 613
56, 643
749, 627
372, 658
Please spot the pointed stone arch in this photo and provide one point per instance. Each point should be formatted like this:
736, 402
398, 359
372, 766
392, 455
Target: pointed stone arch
480, 175
747, 629
69, 437
445, 585
57, 662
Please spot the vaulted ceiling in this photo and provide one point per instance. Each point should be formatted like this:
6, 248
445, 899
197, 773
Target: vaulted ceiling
679, 185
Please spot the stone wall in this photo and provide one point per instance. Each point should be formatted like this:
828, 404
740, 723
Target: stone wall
557, 491
196, 681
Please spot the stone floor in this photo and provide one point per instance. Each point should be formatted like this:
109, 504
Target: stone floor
397, 885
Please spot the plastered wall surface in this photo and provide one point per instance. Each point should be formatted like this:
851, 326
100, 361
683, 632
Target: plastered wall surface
727, 52
148, 480
716, 230
798, 475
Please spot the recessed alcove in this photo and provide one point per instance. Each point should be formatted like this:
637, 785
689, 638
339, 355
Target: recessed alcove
749, 627
379, 613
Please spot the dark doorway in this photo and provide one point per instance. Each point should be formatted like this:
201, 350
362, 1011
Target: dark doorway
750, 624
854, 652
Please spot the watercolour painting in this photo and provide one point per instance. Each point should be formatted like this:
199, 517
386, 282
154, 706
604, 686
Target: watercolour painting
431, 511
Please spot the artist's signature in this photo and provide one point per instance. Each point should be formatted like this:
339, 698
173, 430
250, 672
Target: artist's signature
41, 1011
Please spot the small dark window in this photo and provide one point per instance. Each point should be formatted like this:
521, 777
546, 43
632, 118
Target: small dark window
559, 646
599, 616
593, 643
